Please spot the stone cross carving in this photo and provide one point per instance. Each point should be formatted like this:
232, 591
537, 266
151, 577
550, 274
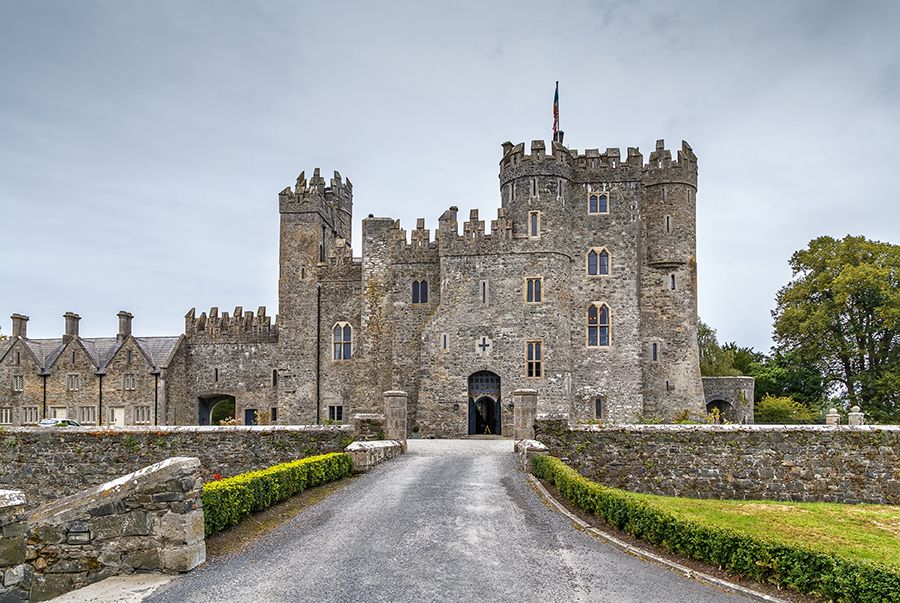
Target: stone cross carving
484, 346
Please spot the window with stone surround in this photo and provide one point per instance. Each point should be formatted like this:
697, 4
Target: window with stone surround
58, 412
598, 262
420, 292
534, 224
30, 415
342, 339
6, 415
598, 202
129, 382
142, 415
600, 408
534, 359
335, 412
18, 383
73, 382
598, 324
87, 415
18, 358
533, 289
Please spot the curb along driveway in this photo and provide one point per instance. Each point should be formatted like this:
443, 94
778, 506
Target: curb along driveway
453, 520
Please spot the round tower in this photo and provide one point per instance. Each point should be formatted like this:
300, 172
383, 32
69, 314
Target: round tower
669, 285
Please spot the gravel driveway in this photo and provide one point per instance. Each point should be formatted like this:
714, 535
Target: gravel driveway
453, 520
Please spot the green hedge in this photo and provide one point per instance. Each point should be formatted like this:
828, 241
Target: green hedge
228, 501
808, 571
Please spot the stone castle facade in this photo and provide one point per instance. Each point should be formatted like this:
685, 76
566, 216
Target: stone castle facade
585, 290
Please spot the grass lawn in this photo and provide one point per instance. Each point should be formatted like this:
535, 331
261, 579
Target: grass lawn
870, 532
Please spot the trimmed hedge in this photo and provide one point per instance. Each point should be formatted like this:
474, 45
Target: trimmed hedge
228, 501
808, 571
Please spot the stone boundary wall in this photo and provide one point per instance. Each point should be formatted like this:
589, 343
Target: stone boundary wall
366, 455
53, 462
149, 520
778, 462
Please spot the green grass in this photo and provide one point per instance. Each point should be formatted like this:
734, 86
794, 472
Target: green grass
869, 532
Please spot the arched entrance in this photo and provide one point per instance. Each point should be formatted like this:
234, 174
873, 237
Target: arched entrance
722, 408
484, 403
211, 410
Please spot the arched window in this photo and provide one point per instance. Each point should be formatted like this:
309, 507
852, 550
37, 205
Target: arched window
598, 324
598, 203
598, 262
342, 336
420, 292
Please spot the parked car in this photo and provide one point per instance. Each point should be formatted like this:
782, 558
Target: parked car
58, 423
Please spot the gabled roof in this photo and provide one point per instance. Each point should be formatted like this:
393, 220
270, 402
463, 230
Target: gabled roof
100, 349
46, 351
159, 349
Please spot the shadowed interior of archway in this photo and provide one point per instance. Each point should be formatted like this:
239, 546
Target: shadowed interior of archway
484, 403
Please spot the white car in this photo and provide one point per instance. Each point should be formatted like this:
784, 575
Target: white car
58, 423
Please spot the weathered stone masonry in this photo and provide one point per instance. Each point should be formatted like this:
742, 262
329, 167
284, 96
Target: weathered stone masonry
82, 457
799, 463
351, 328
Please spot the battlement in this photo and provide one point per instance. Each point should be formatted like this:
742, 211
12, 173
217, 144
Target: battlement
239, 326
565, 162
313, 194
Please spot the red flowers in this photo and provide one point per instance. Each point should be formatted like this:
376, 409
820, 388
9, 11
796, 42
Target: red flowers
217, 476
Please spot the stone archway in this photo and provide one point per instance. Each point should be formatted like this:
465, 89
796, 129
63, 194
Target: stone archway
723, 408
484, 403
214, 408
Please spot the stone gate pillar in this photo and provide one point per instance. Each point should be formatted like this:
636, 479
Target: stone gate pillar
524, 411
395, 403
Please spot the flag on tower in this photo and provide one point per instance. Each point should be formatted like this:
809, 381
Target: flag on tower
556, 112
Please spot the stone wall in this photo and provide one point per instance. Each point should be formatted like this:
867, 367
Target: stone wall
150, 520
70, 459
799, 463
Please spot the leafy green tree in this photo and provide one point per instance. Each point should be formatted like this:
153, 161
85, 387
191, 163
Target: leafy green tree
782, 410
841, 315
787, 375
714, 360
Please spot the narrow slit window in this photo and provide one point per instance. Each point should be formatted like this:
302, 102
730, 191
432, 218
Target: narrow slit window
274, 377
216, 375
534, 224
483, 292
654, 352
668, 223
600, 408
445, 342
533, 359
672, 282
534, 187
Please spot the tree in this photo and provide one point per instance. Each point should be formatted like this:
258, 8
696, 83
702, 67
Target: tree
841, 314
714, 360
782, 410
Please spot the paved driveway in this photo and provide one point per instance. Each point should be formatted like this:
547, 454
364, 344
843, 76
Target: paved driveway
453, 520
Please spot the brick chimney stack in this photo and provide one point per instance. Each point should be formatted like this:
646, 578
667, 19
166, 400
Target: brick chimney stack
125, 319
19, 326
71, 326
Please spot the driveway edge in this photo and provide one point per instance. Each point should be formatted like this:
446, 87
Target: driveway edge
645, 554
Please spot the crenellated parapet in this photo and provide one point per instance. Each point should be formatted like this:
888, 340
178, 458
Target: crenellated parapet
662, 169
241, 326
314, 195
594, 164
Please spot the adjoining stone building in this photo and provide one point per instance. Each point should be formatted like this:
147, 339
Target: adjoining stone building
585, 289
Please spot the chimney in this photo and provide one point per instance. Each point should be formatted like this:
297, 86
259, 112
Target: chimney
71, 326
19, 326
124, 325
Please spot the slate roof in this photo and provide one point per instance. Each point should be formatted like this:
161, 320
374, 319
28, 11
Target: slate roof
99, 349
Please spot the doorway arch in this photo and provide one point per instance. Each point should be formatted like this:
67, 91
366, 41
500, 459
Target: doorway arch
484, 403
215, 408
723, 408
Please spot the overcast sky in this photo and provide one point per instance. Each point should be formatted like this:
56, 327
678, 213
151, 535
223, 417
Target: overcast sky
143, 144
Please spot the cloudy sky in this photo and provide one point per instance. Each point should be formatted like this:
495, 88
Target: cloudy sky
143, 144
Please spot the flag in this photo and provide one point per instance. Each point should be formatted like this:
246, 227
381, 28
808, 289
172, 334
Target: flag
556, 112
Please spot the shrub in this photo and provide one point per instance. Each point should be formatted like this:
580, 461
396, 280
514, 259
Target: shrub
782, 410
808, 571
226, 502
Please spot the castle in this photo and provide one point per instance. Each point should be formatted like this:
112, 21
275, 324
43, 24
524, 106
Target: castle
585, 290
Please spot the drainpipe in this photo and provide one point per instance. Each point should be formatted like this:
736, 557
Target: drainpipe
100, 404
318, 354
156, 399
44, 377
